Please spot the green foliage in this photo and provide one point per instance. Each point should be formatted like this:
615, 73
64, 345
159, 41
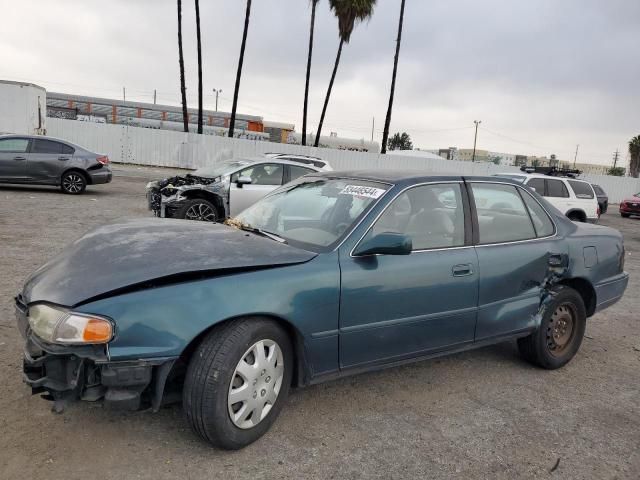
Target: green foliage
634, 153
400, 141
497, 159
617, 171
349, 12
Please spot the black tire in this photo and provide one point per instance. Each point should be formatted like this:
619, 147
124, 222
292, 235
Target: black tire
73, 182
576, 217
625, 215
540, 348
212, 369
198, 209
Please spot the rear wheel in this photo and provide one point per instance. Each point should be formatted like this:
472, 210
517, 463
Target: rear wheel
576, 217
199, 209
238, 381
560, 334
73, 183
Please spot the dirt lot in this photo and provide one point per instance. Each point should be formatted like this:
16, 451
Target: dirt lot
481, 414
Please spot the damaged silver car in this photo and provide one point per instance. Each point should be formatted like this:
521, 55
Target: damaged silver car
215, 193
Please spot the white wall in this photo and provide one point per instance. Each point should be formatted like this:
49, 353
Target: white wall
126, 144
19, 108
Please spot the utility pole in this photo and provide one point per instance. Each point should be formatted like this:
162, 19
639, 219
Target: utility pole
575, 159
373, 127
154, 96
124, 95
217, 91
615, 158
475, 140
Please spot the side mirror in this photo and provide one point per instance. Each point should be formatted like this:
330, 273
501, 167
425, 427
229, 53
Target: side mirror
386, 243
533, 188
244, 181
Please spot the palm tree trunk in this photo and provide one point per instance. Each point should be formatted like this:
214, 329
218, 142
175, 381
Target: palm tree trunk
183, 88
306, 86
326, 100
232, 120
199, 66
387, 122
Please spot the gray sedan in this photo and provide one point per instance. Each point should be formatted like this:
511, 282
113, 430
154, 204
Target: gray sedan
38, 160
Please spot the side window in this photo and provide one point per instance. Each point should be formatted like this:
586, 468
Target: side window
263, 174
541, 221
17, 145
502, 216
556, 188
46, 146
67, 150
538, 184
581, 189
297, 172
599, 190
432, 215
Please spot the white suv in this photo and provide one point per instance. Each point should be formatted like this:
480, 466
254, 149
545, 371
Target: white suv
575, 198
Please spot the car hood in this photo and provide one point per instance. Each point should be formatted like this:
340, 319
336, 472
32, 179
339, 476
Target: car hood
143, 253
632, 200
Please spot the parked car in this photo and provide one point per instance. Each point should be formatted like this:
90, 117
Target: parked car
330, 275
212, 194
630, 206
575, 198
603, 198
37, 160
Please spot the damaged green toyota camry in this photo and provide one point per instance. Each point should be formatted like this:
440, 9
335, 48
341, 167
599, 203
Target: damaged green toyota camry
330, 275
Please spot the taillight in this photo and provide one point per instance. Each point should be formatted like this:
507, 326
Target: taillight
104, 160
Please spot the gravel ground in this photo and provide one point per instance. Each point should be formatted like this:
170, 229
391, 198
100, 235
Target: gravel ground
480, 414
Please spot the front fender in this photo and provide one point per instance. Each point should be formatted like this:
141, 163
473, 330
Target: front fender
161, 322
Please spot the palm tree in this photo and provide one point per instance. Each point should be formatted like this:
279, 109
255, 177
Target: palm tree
634, 153
347, 12
183, 88
199, 66
387, 122
232, 121
306, 86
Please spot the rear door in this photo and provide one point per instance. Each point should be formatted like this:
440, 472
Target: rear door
265, 177
48, 159
516, 243
585, 197
557, 194
13, 159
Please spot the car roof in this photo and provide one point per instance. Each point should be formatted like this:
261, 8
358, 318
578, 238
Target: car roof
395, 177
537, 175
42, 137
282, 161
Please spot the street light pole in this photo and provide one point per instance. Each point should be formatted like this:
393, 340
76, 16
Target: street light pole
217, 91
475, 140
575, 159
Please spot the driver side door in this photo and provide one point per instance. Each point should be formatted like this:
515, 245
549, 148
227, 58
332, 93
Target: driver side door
395, 307
13, 159
265, 177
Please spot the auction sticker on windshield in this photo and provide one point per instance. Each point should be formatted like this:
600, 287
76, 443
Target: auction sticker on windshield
362, 191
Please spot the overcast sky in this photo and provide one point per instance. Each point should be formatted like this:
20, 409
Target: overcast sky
542, 75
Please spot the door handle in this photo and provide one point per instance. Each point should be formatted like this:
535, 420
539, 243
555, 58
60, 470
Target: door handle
63, 158
462, 270
19, 158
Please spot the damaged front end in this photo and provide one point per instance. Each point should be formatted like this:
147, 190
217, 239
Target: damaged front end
167, 197
66, 373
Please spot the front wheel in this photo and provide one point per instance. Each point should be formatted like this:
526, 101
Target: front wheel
238, 381
560, 333
73, 183
198, 209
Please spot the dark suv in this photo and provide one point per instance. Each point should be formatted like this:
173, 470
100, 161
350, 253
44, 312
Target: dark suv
603, 198
41, 160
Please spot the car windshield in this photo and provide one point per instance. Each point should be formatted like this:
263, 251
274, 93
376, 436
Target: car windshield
222, 168
313, 212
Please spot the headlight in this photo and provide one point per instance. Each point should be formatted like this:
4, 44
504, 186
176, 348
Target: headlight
55, 325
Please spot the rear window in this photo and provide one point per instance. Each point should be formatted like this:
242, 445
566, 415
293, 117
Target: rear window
599, 190
581, 189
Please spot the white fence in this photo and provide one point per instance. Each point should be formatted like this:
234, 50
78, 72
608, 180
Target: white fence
164, 148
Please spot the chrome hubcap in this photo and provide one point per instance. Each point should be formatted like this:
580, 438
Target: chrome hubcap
201, 212
561, 329
255, 384
73, 183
